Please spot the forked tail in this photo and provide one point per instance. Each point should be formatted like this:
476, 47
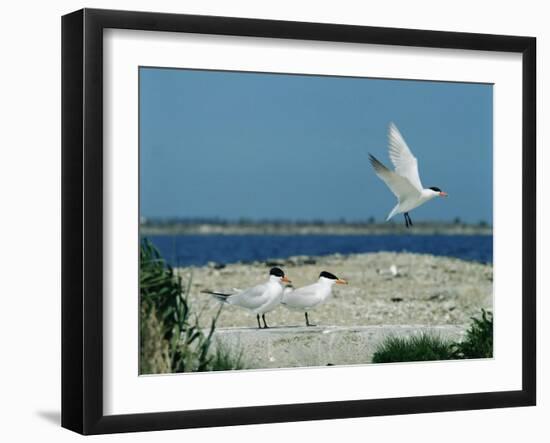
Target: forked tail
393, 212
220, 296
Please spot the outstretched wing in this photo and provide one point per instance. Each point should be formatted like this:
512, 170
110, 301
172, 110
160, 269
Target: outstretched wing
403, 160
399, 185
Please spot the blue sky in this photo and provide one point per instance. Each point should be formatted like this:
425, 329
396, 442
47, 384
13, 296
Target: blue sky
254, 145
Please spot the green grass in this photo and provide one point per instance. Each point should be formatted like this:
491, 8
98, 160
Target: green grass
421, 347
478, 343
224, 360
171, 339
479, 338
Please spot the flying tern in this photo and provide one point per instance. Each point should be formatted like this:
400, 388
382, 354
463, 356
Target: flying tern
404, 182
259, 299
309, 297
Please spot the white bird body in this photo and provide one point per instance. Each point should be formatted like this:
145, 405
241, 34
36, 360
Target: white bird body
259, 299
404, 181
308, 297
410, 202
311, 296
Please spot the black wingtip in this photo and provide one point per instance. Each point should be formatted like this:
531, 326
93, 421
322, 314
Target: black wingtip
376, 164
215, 293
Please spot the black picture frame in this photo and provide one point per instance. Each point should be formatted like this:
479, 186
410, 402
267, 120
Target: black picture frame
82, 218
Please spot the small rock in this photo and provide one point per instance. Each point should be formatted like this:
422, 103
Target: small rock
274, 262
300, 260
437, 297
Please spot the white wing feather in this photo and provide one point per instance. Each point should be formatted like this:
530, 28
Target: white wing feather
405, 163
251, 298
402, 188
302, 298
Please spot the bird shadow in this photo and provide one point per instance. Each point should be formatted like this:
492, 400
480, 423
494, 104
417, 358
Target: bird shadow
53, 417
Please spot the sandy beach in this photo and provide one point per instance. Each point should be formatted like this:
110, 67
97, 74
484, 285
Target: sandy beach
424, 290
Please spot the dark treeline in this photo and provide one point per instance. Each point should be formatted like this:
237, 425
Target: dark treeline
249, 221
244, 221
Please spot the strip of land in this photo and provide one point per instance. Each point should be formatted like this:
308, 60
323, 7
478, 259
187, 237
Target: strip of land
384, 288
310, 228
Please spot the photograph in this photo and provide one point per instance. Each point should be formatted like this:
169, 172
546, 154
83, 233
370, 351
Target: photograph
294, 220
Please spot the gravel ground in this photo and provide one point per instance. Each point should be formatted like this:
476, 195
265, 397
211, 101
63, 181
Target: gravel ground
425, 290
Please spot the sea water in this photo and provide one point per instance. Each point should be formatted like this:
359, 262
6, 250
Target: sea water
198, 250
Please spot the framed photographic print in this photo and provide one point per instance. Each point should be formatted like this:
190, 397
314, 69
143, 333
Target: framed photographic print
268, 221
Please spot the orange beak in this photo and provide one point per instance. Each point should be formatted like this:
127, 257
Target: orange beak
285, 279
341, 282
443, 194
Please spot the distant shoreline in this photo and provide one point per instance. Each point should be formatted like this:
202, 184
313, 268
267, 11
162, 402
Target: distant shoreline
391, 228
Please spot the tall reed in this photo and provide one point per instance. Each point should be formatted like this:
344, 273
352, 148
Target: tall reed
170, 336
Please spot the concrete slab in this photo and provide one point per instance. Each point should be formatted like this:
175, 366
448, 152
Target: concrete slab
300, 346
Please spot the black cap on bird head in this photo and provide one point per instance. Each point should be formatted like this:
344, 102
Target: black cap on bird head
277, 272
328, 275
439, 191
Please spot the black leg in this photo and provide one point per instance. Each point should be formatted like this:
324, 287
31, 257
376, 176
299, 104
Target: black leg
308, 323
408, 221
265, 324
258, 318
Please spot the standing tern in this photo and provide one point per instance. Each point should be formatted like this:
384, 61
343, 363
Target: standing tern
404, 182
259, 299
309, 297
